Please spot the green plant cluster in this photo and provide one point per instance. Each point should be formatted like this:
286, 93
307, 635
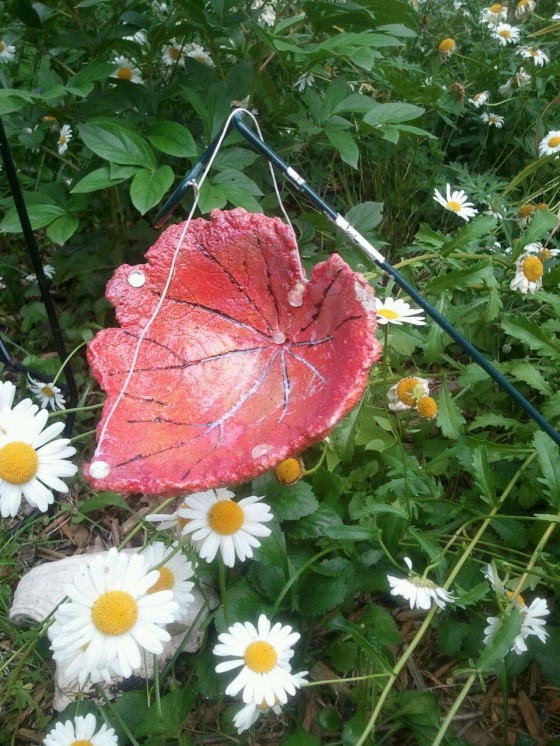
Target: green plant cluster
356, 96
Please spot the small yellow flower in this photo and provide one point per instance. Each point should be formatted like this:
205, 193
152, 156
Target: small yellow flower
447, 47
525, 211
406, 390
427, 408
542, 206
289, 471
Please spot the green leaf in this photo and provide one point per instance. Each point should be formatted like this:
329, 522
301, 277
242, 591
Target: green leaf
173, 139
451, 634
291, 503
392, 113
501, 641
449, 417
60, 230
101, 178
148, 187
24, 10
459, 278
167, 718
103, 500
533, 336
320, 594
300, 738
13, 100
345, 144
365, 216
114, 142
548, 455
39, 216
548, 656
482, 225
314, 526
483, 475
350, 533
528, 373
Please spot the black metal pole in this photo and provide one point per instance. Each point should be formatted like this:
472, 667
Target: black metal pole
29, 237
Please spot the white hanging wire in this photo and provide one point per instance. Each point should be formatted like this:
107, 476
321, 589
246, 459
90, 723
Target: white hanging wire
101, 467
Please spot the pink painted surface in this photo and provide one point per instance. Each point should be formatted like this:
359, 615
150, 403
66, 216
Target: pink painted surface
231, 377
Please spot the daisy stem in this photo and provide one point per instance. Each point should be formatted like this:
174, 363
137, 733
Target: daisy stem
313, 469
74, 409
399, 665
156, 687
115, 714
223, 591
81, 436
296, 575
534, 557
141, 523
451, 714
70, 356
345, 681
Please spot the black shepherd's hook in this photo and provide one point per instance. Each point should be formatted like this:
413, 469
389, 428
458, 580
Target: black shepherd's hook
37, 265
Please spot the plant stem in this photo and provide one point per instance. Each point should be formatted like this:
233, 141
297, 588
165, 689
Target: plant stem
223, 590
451, 714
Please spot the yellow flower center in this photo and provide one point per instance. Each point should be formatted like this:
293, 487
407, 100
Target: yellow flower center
18, 462
446, 45
387, 313
554, 142
544, 254
505, 33
165, 582
173, 53
49, 118
453, 205
182, 522
497, 8
264, 706
81, 742
521, 4
406, 390
289, 471
61, 141
260, 657
525, 211
518, 599
114, 613
427, 408
2, 47
542, 206
46, 390
532, 268
226, 517
124, 73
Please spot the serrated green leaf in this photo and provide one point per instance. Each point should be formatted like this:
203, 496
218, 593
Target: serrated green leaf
173, 138
482, 225
528, 373
501, 641
451, 634
148, 187
114, 142
492, 420
548, 455
449, 417
483, 475
533, 336
459, 278
291, 503
314, 526
319, 594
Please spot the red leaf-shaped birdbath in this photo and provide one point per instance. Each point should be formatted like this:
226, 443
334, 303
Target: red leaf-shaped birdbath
246, 362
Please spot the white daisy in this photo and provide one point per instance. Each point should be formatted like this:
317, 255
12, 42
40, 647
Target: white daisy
198, 53
419, 592
48, 394
112, 615
31, 460
532, 623
406, 392
550, 143
64, 138
494, 14
264, 654
2, 283
126, 70
479, 99
172, 54
249, 714
537, 55
492, 120
7, 51
304, 81
139, 37
48, 270
519, 80
267, 15
166, 521
397, 311
528, 274
524, 8
506, 34
456, 202
543, 252
174, 573
492, 577
7, 394
81, 732
216, 522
